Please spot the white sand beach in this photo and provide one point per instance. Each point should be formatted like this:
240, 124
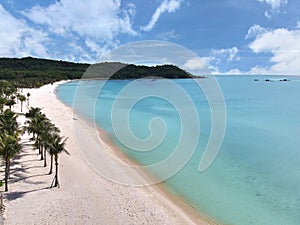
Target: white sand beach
84, 197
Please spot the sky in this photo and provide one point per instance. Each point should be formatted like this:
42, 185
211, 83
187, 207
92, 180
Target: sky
230, 36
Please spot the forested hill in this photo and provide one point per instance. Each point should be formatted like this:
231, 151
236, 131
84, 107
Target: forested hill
32, 72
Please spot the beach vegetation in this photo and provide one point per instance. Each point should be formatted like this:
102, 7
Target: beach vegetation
28, 95
10, 102
57, 147
22, 99
9, 147
46, 138
8, 122
9, 140
33, 73
45, 135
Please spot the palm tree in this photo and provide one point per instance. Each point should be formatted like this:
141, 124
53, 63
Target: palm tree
8, 122
10, 102
9, 147
21, 98
28, 95
42, 129
46, 138
35, 117
39, 125
2, 103
33, 112
57, 147
52, 139
9, 90
35, 125
49, 130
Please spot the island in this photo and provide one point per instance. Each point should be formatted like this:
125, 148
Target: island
31, 72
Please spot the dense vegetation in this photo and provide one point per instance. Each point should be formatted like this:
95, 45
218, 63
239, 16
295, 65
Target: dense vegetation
165, 71
45, 136
31, 72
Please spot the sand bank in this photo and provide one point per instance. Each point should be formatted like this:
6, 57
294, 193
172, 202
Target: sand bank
84, 197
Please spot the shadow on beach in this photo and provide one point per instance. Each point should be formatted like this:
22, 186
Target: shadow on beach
19, 194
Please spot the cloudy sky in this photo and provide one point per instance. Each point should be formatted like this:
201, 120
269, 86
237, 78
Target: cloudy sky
231, 36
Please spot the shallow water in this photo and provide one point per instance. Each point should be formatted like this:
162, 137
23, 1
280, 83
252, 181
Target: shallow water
255, 178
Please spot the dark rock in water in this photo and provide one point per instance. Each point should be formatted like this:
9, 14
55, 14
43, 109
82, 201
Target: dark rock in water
268, 80
284, 80
255, 79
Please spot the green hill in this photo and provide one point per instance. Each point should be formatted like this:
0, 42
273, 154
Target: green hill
32, 72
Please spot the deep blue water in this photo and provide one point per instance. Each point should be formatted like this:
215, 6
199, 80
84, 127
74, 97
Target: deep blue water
255, 178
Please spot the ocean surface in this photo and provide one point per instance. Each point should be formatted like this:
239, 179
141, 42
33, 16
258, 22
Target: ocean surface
255, 178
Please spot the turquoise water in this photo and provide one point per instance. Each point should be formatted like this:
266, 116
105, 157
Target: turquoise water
255, 178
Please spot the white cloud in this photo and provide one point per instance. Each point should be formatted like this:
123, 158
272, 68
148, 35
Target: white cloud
284, 45
94, 47
18, 39
194, 64
168, 35
218, 57
275, 6
255, 31
229, 54
214, 69
233, 72
98, 20
222, 55
209, 62
166, 6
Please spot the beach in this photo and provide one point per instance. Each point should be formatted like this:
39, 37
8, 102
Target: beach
84, 197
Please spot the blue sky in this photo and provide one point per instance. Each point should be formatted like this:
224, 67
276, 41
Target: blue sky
230, 36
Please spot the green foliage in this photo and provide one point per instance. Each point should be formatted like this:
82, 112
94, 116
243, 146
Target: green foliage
46, 137
165, 71
121, 71
9, 146
9, 140
32, 73
8, 122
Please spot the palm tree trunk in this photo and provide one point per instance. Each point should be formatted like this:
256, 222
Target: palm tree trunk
56, 183
39, 146
8, 170
51, 165
45, 157
21, 106
6, 173
42, 155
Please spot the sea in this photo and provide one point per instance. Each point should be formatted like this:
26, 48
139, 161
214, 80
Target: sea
255, 176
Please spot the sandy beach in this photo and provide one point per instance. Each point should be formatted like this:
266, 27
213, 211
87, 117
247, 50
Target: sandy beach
84, 197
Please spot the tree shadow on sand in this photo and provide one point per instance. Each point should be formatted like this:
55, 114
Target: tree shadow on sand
20, 156
19, 194
20, 177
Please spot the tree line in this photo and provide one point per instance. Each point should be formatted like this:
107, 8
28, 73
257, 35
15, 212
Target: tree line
45, 136
33, 73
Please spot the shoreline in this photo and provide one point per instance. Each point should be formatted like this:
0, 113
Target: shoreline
84, 197
161, 188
